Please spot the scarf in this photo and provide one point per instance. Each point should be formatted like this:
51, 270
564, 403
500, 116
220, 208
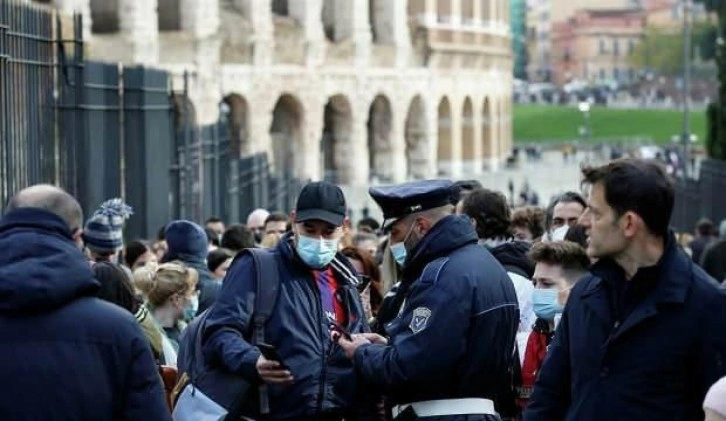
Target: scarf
534, 356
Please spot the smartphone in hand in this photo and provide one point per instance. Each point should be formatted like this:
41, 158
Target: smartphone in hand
336, 327
270, 353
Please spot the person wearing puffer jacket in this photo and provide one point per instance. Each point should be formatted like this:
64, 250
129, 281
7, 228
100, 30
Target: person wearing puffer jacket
66, 354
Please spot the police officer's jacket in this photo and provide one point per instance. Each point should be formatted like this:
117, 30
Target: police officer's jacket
324, 378
454, 335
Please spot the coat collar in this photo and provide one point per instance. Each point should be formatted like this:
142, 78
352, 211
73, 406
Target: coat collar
675, 272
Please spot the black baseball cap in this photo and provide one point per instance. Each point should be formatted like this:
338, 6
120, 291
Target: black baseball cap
322, 201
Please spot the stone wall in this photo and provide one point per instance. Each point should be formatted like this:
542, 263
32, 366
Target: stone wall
285, 70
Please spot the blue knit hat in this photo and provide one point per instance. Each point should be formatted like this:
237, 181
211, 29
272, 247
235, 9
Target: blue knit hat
102, 233
186, 241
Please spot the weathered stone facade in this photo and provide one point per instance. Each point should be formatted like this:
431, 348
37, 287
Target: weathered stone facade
354, 90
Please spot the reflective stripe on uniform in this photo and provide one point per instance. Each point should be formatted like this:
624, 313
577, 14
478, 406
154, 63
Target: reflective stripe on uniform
468, 406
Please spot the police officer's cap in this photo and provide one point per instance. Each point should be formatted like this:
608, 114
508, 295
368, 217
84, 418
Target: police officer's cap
404, 199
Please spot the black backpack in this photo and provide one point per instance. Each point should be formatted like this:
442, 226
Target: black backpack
227, 389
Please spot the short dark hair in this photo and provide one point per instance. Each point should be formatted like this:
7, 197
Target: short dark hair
116, 286
571, 256
238, 237
636, 185
490, 211
531, 217
213, 220
216, 257
461, 188
577, 234
133, 251
705, 227
572, 197
212, 236
276, 217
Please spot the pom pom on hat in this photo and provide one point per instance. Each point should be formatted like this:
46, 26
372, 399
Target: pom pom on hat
103, 231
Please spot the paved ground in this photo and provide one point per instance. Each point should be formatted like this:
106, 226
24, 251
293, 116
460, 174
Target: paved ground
547, 177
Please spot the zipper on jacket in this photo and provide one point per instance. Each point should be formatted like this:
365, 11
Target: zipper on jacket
321, 317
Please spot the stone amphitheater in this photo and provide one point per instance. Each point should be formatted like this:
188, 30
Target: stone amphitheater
354, 91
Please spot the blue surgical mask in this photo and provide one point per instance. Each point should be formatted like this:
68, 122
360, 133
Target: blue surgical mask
316, 252
190, 310
545, 303
399, 253
399, 249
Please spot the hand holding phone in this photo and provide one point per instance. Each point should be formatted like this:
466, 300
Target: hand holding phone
335, 327
270, 353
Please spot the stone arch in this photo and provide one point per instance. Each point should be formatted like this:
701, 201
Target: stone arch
443, 11
467, 132
237, 114
336, 25
105, 16
280, 7
416, 139
337, 139
286, 133
380, 15
486, 129
380, 121
169, 15
445, 152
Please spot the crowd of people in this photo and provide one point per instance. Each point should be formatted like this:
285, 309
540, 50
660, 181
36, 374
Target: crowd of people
455, 306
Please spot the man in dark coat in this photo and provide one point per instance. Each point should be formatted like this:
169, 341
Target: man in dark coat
317, 289
65, 353
642, 336
451, 345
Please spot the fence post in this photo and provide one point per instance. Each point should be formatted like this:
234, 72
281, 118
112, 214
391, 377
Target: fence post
148, 150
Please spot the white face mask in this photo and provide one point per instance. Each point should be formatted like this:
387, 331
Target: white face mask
560, 233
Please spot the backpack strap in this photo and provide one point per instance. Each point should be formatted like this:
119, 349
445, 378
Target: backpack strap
268, 287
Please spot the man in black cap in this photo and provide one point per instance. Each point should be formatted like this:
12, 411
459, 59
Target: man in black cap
451, 340
317, 290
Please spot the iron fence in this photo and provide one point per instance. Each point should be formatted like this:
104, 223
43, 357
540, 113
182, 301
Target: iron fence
27, 81
103, 130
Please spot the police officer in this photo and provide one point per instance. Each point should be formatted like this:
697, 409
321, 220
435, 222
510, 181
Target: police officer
450, 346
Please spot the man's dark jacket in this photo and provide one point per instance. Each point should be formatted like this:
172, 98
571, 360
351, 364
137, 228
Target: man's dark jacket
325, 380
66, 355
656, 363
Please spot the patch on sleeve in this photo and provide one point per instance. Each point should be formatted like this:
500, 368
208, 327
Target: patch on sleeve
420, 319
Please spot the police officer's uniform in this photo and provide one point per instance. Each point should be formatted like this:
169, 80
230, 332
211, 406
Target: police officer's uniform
451, 324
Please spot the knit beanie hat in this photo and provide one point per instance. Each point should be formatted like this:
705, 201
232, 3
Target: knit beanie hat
186, 241
716, 398
103, 232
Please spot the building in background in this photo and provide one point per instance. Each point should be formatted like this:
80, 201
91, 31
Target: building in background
595, 44
543, 16
518, 23
350, 90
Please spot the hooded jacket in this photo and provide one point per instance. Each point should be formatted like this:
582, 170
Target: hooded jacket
66, 355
